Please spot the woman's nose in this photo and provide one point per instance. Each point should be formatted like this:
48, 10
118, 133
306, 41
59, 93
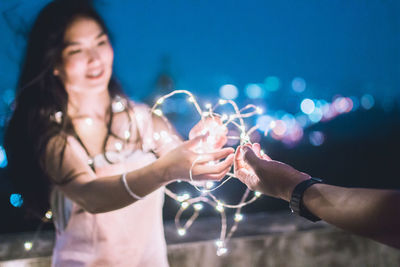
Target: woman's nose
93, 55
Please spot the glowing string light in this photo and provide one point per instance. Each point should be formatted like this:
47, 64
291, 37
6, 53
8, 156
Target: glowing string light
236, 120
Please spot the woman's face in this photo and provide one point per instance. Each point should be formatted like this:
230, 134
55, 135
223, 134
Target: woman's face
87, 58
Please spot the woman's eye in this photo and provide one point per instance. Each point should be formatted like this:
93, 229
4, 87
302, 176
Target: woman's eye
73, 52
102, 43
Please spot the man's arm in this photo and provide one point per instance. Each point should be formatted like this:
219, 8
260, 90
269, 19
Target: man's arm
371, 213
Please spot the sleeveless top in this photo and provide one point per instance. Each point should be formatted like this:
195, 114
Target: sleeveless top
130, 236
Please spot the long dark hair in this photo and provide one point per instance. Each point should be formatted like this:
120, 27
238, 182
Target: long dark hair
40, 94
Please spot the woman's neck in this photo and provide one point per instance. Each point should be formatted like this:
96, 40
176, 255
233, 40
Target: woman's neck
85, 105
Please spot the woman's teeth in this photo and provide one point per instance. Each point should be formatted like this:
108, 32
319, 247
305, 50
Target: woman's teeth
95, 74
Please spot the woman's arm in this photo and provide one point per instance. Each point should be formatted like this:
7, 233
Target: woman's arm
368, 212
102, 194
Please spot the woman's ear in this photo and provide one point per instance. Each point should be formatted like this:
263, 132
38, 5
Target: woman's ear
56, 72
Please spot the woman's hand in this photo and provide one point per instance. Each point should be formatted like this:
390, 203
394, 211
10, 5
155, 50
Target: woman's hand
260, 173
217, 133
178, 162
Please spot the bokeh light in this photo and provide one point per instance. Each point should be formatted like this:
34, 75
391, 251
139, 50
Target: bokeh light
316, 115
264, 122
307, 106
316, 138
3, 157
367, 101
298, 85
254, 91
272, 83
16, 200
280, 128
228, 91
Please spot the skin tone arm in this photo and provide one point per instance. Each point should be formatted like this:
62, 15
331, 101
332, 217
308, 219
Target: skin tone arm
102, 194
372, 213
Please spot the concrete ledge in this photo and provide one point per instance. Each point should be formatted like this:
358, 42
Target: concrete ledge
261, 240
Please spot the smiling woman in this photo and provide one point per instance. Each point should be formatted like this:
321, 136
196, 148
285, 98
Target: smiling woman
88, 152
87, 58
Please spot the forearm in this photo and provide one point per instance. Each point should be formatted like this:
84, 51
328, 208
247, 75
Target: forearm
108, 193
369, 212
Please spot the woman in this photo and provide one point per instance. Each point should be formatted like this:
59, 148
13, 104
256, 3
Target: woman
104, 160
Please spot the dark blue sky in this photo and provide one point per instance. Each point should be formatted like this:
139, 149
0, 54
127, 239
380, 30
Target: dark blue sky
347, 47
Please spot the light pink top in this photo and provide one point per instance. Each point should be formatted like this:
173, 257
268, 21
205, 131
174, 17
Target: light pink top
131, 236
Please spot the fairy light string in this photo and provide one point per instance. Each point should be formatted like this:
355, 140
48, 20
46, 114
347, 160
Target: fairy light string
206, 196
339, 105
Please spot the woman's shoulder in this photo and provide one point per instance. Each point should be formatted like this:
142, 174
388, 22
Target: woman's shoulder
60, 142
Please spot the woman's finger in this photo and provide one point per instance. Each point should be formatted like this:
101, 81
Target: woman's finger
213, 156
216, 177
214, 169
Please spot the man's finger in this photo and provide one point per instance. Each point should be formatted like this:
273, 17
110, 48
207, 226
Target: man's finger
250, 157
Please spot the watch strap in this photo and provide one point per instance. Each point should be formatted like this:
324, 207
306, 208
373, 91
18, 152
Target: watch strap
296, 201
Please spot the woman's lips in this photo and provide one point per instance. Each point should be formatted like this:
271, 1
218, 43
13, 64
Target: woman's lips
95, 74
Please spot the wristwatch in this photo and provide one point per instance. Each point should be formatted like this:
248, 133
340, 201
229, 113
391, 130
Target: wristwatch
296, 201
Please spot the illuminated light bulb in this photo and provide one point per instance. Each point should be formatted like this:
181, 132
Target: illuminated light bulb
211, 140
160, 101
164, 134
117, 106
204, 131
244, 137
58, 117
127, 134
158, 112
238, 217
211, 163
89, 121
262, 153
259, 110
191, 99
28, 245
198, 206
156, 136
231, 117
184, 205
224, 117
118, 146
49, 214
205, 113
257, 194
208, 106
221, 251
90, 161
181, 231
209, 184
222, 101
219, 207
219, 243
179, 181
183, 197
